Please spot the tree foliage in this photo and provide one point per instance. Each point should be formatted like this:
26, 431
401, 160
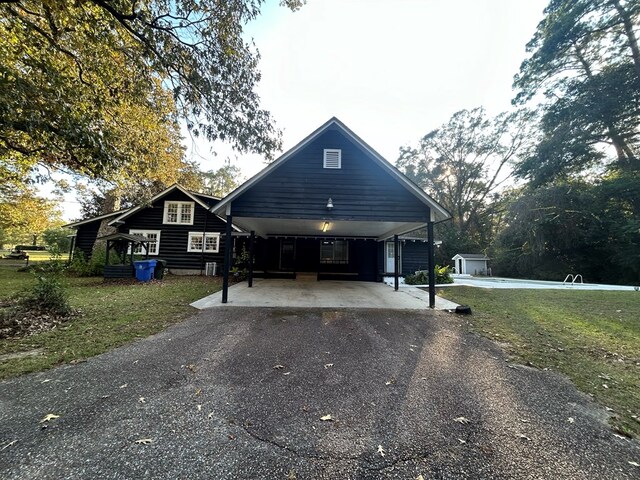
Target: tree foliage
584, 65
222, 181
580, 211
574, 227
25, 216
463, 165
57, 239
95, 87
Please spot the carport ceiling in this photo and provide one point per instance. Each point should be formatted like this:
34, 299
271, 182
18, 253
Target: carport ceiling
265, 227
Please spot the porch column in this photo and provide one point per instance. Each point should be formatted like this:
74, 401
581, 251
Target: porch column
252, 239
228, 247
432, 265
396, 262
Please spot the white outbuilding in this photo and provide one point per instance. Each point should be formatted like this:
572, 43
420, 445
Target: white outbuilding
471, 264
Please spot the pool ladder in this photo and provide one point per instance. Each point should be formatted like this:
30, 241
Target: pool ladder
572, 278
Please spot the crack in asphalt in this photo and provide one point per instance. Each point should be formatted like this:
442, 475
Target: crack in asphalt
366, 464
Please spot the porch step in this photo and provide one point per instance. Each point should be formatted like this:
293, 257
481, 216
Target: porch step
306, 276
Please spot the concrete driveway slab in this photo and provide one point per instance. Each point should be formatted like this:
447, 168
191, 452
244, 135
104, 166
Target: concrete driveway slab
241, 393
324, 294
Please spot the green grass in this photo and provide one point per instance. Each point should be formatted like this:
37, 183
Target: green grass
35, 255
593, 337
112, 314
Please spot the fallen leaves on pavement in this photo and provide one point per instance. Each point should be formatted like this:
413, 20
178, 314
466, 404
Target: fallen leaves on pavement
49, 417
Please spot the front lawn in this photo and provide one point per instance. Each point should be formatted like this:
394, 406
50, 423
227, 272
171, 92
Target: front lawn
593, 337
111, 314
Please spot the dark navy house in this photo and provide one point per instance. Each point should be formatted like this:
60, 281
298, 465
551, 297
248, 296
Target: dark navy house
331, 206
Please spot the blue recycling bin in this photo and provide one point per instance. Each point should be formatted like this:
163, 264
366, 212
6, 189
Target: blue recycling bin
144, 270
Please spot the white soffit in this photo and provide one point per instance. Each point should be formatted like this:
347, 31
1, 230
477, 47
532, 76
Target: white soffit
314, 228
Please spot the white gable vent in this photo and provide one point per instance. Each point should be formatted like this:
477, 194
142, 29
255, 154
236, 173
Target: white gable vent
332, 158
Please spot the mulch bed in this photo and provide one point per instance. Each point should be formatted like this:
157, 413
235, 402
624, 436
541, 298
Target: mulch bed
17, 322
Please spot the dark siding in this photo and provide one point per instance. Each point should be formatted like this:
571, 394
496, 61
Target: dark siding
174, 238
414, 256
361, 189
86, 236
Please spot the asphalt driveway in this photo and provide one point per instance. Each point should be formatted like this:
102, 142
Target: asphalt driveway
242, 392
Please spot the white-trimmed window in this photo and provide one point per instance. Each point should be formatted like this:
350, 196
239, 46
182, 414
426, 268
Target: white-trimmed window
210, 242
332, 158
180, 213
154, 245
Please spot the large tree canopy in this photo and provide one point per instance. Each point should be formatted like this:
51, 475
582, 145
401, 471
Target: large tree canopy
92, 86
584, 66
463, 164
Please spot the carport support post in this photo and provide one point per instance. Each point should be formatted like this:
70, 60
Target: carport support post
396, 262
252, 239
228, 246
432, 266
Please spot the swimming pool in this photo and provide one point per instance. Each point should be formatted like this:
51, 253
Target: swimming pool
499, 282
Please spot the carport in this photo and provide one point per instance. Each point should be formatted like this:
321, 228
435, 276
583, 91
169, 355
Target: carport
333, 203
339, 199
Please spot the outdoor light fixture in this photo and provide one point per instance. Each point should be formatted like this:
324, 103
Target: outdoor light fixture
329, 204
325, 227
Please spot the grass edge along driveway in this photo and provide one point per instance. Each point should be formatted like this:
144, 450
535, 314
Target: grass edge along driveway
593, 337
111, 314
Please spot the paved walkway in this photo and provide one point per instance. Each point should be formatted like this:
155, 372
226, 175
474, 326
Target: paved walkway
323, 294
241, 393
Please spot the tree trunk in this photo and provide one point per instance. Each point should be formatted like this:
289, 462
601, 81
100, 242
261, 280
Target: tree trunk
631, 36
623, 152
112, 202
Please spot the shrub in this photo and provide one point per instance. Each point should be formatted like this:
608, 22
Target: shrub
93, 267
421, 277
240, 269
443, 274
48, 294
418, 278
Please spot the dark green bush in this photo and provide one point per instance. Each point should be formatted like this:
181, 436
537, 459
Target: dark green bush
93, 267
48, 294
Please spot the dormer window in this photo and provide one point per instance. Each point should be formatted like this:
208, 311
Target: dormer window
180, 213
332, 158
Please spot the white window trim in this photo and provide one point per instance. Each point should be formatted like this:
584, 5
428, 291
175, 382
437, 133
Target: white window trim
144, 234
332, 151
179, 218
207, 234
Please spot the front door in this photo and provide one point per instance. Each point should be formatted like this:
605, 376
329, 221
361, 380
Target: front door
287, 254
390, 256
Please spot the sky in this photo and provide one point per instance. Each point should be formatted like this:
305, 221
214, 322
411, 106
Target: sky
391, 70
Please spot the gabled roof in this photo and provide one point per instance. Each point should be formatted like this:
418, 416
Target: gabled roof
173, 187
439, 213
470, 256
94, 219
